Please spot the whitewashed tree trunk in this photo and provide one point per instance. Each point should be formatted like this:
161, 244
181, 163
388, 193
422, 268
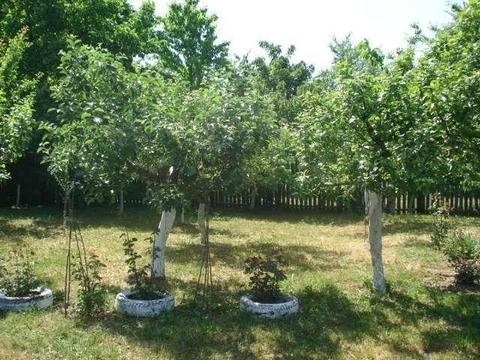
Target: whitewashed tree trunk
374, 204
17, 203
182, 216
253, 196
160, 243
121, 203
202, 222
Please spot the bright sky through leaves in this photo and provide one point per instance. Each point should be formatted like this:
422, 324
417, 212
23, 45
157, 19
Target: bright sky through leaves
310, 25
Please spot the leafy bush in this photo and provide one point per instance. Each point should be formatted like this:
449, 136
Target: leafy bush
266, 275
92, 295
139, 277
463, 252
16, 273
441, 227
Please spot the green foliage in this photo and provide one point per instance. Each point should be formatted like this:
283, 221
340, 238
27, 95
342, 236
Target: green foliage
463, 252
112, 23
118, 125
16, 103
217, 136
17, 278
282, 78
449, 81
265, 276
76, 146
441, 227
91, 299
137, 277
190, 47
274, 162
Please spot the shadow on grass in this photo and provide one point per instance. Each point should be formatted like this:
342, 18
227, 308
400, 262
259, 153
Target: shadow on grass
146, 219
291, 216
454, 319
191, 333
407, 224
14, 234
301, 257
327, 320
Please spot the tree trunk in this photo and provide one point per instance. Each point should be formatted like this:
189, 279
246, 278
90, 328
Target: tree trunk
17, 203
253, 195
391, 200
201, 219
374, 204
182, 216
160, 242
121, 204
411, 203
420, 203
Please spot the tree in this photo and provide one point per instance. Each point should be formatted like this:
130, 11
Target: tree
275, 164
113, 23
114, 125
217, 135
448, 79
364, 130
283, 78
190, 47
16, 103
182, 143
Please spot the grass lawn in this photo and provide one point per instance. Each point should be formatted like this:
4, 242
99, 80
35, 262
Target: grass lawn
329, 268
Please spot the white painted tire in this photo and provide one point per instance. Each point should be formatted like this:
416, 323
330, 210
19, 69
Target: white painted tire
40, 301
143, 308
269, 311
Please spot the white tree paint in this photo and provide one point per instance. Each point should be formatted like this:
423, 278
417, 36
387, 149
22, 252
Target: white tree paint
373, 202
202, 223
160, 243
182, 216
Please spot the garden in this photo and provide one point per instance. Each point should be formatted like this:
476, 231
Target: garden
191, 205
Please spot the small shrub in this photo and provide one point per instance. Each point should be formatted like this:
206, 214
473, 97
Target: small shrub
16, 273
92, 295
266, 275
463, 252
138, 277
441, 227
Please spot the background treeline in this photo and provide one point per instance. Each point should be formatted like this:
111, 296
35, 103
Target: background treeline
383, 95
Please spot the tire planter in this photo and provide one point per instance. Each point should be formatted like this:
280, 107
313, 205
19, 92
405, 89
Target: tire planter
143, 308
269, 311
43, 300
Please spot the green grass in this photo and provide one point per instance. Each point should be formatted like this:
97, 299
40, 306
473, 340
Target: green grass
329, 268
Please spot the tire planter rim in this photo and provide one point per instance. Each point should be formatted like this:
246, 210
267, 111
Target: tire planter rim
40, 301
143, 308
270, 310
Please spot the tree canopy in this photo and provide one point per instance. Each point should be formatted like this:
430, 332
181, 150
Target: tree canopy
16, 103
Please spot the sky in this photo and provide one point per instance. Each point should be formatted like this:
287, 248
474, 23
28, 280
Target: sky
310, 25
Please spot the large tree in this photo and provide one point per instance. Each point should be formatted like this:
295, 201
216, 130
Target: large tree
182, 143
113, 23
190, 47
448, 78
362, 126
